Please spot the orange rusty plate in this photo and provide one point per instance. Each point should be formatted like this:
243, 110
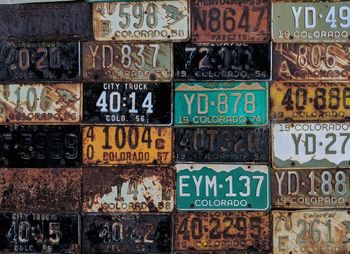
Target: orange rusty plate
306, 101
211, 231
134, 189
230, 21
311, 61
311, 231
110, 145
40, 103
44, 190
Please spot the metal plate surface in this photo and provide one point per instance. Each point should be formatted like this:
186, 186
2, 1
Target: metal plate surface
231, 62
307, 101
40, 103
39, 61
44, 190
310, 188
38, 146
222, 231
233, 21
310, 22
311, 232
222, 144
46, 21
30, 1
109, 61
310, 145
128, 103
127, 233
142, 21
110, 145
311, 61
130, 189
221, 103
40, 233
222, 187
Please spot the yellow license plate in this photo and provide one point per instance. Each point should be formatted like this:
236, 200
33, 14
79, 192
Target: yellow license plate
321, 101
115, 145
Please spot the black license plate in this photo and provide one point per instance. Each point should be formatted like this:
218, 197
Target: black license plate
39, 61
40, 146
39, 233
233, 62
128, 103
126, 233
46, 21
222, 144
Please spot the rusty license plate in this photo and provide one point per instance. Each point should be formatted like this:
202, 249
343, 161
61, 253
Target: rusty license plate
49, 21
319, 101
306, 188
39, 61
315, 22
234, 21
128, 189
310, 231
128, 103
142, 21
311, 61
232, 62
310, 145
109, 61
203, 231
40, 233
115, 145
40, 146
126, 233
40, 103
39, 189
222, 144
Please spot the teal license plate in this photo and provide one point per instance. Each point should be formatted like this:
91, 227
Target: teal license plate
222, 187
221, 103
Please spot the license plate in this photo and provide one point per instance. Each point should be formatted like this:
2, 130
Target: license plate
39, 233
315, 231
126, 233
222, 187
233, 21
222, 144
63, 195
128, 190
110, 145
40, 146
49, 21
29, 1
310, 22
233, 62
127, 62
311, 145
142, 21
40, 103
128, 103
309, 188
221, 103
310, 61
319, 101
220, 231
39, 61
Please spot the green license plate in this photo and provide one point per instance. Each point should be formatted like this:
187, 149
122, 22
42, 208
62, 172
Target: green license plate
222, 187
221, 103
311, 22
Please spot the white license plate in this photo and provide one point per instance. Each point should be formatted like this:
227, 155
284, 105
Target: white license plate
311, 145
142, 21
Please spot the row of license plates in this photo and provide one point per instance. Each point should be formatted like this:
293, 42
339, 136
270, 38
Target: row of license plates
292, 232
195, 103
153, 62
211, 21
